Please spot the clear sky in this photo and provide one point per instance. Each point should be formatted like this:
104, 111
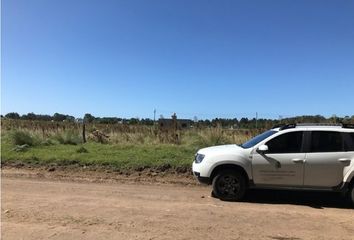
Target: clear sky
193, 57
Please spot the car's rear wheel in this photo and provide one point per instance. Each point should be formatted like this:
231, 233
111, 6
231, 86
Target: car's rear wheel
229, 185
351, 194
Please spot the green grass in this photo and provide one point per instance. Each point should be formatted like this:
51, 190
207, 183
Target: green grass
116, 156
126, 147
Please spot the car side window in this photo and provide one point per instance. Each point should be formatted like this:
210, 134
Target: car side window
286, 143
326, 141
349, 143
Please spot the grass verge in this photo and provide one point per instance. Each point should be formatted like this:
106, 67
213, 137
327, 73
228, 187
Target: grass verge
115, 156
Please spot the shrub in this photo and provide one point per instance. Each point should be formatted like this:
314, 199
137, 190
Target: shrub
20, 137
69, 138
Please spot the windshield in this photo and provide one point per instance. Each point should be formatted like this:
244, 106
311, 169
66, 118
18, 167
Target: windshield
258, 139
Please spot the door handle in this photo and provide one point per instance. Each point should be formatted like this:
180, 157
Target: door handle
344, 160
298, 160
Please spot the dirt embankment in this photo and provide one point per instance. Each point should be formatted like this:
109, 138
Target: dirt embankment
35, 206
99, 174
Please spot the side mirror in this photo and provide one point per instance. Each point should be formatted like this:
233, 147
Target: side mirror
262, 149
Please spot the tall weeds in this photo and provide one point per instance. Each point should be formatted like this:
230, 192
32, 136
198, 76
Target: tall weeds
69, 137
48, 133
21, 137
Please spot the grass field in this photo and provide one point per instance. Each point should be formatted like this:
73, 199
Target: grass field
117, 156
122, 147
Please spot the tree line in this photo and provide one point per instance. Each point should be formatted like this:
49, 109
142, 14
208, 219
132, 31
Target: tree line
222, 122
88, 118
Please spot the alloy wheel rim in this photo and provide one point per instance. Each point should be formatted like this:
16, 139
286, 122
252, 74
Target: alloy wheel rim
229, 185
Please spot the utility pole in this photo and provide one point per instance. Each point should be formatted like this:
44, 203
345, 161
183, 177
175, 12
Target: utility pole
256, 120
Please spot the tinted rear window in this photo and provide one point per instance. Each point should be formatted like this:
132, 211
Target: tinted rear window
326, 141
349, 143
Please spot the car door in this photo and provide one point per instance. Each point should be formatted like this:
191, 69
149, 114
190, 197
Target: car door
326, 159
283, 163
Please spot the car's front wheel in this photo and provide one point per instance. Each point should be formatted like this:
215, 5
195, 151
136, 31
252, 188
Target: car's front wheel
229, 185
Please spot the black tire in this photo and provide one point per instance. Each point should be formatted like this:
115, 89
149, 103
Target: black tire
351, 194
229, 185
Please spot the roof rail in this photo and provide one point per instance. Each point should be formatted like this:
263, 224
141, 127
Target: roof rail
294, 125
319, 124
278, 126
284, 126
287, 126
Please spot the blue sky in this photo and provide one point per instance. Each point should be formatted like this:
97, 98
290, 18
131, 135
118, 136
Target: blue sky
196, 58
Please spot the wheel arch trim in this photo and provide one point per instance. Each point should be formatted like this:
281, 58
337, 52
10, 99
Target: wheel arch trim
229, 165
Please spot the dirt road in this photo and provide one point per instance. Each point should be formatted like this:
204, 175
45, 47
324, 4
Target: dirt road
47, 209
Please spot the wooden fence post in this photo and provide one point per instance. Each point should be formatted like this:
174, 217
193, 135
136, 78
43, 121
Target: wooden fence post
83, 133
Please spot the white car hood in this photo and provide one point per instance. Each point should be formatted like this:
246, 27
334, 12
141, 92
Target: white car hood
222, 149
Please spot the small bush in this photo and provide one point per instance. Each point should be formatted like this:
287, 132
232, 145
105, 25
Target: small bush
23, 138
69, 138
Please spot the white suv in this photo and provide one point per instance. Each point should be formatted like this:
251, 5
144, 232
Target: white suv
294, 156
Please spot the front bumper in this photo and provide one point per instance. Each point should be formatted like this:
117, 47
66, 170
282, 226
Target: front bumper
203, 180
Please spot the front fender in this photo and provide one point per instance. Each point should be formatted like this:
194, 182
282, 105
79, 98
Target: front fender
244, 163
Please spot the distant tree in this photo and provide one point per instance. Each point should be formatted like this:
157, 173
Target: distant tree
147, 121
44, 117
29, 116
244, 122
59, 117
69, 118
108, 120
134, 121
215, 122
88, 118
13, 115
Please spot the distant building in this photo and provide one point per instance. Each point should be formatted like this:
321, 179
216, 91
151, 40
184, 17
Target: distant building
181, 123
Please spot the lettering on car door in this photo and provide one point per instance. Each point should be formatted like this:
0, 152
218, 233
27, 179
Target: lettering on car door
283, 164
